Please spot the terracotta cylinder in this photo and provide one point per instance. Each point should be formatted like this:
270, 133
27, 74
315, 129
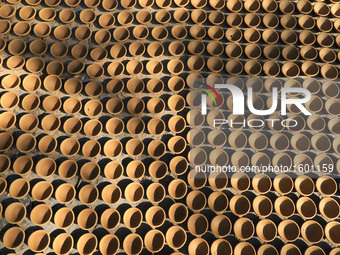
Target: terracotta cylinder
312, 231
63, 243
269, 5
290, 248
244, 229
266, 230
158, 170
69, 147
176, 48
320, 142
132, 218
5, 27
26, 143
308, 52
156, 148
267, 249
19, 188
110, 218
304, 6
41, 214
332, 231
64, 218
140, 32
38, 240
134, 147
314, 249
7, 120
155, 193
176, 237
244, 248
75, 67
198, 246
178, 213
300, 142
83, 33
234, 20
290, 70
87, 243
135, 169
326, 185
261, 183
218, 180
329, 208
240, 181
220, 247
154, 240
7, 141
15, 62
304, 185
239, 159
72, 126
156, 126
288, 230
88, 194
95, 71
134, 192
195, 137
90, 170
87, 16
284, 206
5, 163
218, 201
47, 14
325, 40
113, 148
270, 21
42, 191
177, 189
47, 144
310, 68
286, 7
234, 5
239, 205
329, 72
133, 244
331, 106
279, 142
252, 5
177, 144
15, 213
155, 216
197, 31
93, 108
28, 122
13, 237
115, 106
22, 28
155, 105
67, 16
16, 47
306, 207
65, 193
109, 5
7, 11
197, 156
87, 219
324, 24
283, 184
330, 89
196, 200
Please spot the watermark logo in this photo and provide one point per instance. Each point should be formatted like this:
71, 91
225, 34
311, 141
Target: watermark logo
206, 88
238, 96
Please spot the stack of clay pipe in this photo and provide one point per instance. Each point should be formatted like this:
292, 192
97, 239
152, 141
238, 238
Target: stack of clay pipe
99, 138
